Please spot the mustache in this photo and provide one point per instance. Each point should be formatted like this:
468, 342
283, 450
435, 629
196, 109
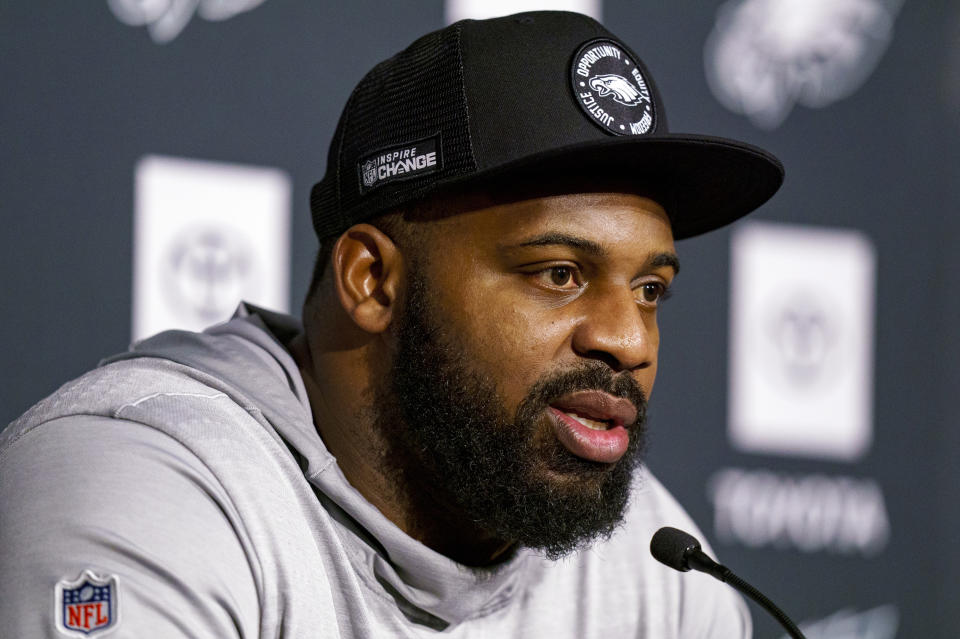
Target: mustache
588, 376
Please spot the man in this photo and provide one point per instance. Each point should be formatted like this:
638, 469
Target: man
451, 442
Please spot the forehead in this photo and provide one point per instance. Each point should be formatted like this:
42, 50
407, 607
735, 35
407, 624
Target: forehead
611, 219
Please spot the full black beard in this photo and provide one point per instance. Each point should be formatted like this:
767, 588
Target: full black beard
448, 434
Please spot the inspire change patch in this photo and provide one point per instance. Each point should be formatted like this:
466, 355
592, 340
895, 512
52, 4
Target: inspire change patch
610, 88
412, 159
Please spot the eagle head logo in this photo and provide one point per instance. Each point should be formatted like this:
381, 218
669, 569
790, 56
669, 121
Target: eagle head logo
616, 87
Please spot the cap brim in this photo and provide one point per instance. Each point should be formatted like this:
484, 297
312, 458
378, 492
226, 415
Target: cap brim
707, 182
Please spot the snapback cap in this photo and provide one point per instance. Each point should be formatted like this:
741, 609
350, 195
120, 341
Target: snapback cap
542, 97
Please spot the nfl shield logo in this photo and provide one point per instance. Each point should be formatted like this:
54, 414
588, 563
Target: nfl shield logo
87, 606
369, 173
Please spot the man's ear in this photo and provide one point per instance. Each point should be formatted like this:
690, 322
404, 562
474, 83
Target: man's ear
367, 268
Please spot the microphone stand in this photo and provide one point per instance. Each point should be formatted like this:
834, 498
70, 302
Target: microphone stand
698, 560
681, 551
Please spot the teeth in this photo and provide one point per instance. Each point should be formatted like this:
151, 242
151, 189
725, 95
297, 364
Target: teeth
592, 424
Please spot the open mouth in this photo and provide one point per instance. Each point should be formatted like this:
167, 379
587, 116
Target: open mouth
596, 409
591, 424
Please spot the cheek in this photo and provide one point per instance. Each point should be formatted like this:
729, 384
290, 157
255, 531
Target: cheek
513, 344
647, 376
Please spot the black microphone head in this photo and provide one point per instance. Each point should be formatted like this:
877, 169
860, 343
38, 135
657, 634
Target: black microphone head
671, 546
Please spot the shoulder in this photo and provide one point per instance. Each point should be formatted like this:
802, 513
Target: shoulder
184, 404
119, 498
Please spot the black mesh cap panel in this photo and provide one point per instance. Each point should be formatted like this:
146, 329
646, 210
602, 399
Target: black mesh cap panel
416, 95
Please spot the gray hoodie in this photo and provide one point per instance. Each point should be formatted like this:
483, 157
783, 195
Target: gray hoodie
181, 490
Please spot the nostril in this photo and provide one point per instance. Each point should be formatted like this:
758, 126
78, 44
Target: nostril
607, 358
613, 361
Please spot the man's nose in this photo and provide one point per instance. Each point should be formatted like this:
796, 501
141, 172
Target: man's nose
615, 330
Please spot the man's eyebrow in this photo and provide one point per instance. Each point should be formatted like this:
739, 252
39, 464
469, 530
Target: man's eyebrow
561, 239
665, 259
590, 247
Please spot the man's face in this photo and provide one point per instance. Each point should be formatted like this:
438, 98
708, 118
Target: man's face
525, 349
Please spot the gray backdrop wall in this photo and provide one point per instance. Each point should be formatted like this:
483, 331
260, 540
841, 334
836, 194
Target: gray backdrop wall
86, 96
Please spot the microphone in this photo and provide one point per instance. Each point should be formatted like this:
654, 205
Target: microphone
681, 551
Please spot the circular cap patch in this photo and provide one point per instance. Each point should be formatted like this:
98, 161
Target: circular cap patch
611, 89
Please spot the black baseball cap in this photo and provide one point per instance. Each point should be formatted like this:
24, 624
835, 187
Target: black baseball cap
544, 97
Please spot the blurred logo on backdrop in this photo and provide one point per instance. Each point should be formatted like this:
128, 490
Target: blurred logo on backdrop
764, 56
807, 513
205, 272
165, 19
802, 335
801, 341
455, 10
206, 236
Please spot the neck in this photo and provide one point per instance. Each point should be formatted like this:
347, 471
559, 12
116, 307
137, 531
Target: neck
339, 387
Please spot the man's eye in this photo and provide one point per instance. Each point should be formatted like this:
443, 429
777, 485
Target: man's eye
560, 277
653, 292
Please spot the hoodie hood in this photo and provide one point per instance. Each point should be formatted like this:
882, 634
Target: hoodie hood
249, 354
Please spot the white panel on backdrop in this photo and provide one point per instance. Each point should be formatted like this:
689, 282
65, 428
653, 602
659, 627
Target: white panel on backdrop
481, 9
801, 341
207, 235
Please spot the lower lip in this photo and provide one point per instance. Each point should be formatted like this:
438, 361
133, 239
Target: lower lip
605, 446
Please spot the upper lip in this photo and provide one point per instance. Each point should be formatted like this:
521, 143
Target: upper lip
599, 406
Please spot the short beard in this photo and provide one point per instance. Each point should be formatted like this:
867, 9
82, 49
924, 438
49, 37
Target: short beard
448, 435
